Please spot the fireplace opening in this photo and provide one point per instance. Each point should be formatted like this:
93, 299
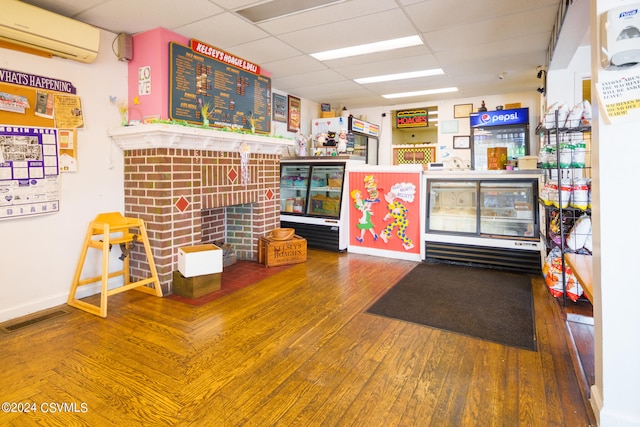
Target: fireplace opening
231, 226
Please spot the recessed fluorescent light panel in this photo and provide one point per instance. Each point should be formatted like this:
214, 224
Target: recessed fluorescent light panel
420, 93
280, 8
368, 48
400, 76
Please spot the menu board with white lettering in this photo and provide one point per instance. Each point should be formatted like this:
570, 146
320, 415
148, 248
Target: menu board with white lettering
210, 86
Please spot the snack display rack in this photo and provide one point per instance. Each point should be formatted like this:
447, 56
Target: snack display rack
566, 198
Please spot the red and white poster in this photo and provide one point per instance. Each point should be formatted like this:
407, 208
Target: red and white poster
385, 211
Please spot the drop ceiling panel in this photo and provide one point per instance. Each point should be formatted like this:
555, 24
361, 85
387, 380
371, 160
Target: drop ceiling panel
224, 31
384, 67
291, 67
436, 15
500, 50
69, 8
319, 18
340, 34
374, 59
142, 15
310, 79
410, 85
339, 92
265, 50
484, 32
235, 4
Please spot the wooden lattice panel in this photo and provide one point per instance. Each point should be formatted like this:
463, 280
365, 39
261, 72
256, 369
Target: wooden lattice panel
414, 155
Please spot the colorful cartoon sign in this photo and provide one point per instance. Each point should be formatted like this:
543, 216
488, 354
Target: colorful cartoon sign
385, 213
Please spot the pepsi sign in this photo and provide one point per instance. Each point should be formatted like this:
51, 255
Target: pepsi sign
499, 118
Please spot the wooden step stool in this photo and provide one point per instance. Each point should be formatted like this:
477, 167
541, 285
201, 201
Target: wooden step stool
113, 229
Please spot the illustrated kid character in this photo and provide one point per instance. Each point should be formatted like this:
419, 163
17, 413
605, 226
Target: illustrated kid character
398, 212
302, 142
364, 223
342, 141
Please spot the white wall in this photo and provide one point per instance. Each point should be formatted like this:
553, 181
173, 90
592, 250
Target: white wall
39, 254
616, 151
445, 149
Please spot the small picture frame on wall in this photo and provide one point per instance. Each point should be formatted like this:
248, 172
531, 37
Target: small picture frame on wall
461, 111
294, 111
279, 108
460, 141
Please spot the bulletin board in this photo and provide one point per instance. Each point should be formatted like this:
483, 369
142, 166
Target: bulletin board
38, 121
29, 118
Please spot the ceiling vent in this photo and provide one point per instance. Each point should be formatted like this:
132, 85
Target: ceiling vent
281, 8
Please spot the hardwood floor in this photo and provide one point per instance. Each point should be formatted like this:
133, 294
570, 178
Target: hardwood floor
296, 349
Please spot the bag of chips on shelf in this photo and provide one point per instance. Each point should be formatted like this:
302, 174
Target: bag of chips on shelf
552, 271
586, 113
579, 233
574, 116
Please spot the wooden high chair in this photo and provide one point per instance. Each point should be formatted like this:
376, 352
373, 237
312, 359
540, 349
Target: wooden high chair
113, 229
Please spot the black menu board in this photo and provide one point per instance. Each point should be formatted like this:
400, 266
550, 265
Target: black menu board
233, 95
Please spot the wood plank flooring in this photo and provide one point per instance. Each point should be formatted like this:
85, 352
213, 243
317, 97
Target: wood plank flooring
296, 349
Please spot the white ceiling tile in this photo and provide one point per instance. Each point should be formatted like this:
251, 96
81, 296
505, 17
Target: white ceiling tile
224, 30
265, 50
143, 15
383, 67
338, 34
319, 18
290, 67
486, 31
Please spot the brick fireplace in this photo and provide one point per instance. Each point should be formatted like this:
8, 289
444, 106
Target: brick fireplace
191, 187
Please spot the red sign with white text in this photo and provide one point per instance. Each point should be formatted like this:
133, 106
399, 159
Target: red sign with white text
222, 56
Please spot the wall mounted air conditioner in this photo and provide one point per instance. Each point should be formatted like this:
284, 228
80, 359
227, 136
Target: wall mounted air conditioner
28, 26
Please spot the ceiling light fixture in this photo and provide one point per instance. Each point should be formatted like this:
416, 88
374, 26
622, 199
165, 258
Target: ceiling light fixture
281, 8
400, 76
420, 93
368, 48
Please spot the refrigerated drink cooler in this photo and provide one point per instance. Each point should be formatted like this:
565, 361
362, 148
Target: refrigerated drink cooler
490, 219
503, 129
312, 200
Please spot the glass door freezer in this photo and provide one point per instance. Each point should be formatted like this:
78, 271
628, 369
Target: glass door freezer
490, 218
312, 200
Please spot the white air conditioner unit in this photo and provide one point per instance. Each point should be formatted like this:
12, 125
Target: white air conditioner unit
28, 26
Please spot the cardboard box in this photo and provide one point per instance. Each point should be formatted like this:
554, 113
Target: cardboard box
197, 286
327, 114
497, 158
200, 259
528, 162
281, 252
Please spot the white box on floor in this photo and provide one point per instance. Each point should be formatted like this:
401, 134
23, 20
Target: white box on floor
200, 259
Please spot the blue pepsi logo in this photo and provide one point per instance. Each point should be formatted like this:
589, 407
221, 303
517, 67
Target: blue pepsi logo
628, 13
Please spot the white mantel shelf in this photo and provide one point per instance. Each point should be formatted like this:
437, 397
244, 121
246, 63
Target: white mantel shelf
159, 135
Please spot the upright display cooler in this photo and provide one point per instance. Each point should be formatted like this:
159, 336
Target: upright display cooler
365, 137
490, 219
312, 200
507, 129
